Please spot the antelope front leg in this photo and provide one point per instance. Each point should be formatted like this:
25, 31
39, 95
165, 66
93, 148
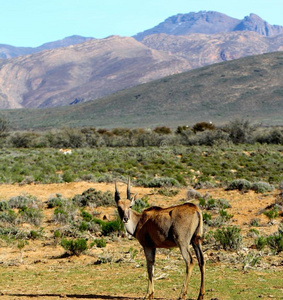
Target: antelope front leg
150, 259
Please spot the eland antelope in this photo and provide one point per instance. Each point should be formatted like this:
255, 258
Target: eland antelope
156, 227
66, 151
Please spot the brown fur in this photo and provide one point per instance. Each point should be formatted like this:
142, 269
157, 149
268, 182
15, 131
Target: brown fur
156, 227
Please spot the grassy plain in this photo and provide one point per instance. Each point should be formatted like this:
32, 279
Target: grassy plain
40, 270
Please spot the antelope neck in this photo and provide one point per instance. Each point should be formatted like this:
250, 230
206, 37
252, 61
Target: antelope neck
131, 225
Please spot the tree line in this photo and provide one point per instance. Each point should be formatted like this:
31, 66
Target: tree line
201, 133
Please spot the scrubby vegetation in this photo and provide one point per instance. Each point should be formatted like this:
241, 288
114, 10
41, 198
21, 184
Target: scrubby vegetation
257, 167
199, 157
202, 133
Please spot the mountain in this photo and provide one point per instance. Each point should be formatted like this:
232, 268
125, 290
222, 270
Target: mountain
249, 88
205, 49
210, 22
82, 72
97, 68
78, 69
257, 24
7, 51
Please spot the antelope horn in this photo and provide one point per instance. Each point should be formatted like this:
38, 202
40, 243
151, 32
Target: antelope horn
128, 189
117, 194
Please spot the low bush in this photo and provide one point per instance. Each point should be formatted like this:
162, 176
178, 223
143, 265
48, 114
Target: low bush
262, 187
159, 182
60, 216
74, 247
8, 216
55, 201
168, 192
140, 204
272, 213
24, 201
4, 205
260, 242
31, 215
230, 238
275, 241
240, 184
86, 216
100, 243
109, 227
95, 198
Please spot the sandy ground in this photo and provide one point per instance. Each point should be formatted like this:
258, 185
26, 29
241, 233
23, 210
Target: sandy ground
245, 207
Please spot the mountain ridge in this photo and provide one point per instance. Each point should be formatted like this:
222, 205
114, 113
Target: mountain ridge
9, 51
82, 69
210, 22
246, 88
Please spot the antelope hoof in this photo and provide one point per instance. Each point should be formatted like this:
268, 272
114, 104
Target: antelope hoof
200, 297
149, 296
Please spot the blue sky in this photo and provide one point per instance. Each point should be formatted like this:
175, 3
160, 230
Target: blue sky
34, 22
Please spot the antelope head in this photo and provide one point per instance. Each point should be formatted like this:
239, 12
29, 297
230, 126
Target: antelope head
126, 214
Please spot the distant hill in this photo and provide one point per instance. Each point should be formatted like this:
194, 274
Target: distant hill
82, 72
8, 51
205, 49
210, 22
96, 68
249, 88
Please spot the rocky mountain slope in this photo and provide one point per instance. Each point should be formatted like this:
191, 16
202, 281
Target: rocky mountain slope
248, 88
210, 22
78, 69
8, 51
82, 72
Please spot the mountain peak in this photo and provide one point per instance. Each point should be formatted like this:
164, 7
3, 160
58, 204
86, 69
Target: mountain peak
255, 23
211, 22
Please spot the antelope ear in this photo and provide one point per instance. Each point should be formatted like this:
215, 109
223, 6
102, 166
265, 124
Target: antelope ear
117, 194
133, 200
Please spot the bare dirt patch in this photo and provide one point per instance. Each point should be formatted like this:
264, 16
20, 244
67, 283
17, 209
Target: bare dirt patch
41, 258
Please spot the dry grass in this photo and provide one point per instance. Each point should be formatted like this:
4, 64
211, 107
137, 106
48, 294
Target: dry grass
44, 275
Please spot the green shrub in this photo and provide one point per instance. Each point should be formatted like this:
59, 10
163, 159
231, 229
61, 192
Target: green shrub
223, 203
193, 194
224, 215
86, 216
230, 238
83, 226
275, 241
4, 205
23, 201
60, 216
55, 201
240, 184
8, 216
140, 204
254, 232
36, 234
161, 182
74, 247
260, 242
262, 187
109, 227
272, 213
207, 218
168, 192
94, 197
31, 215
255, 222
100, 243
68, 176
